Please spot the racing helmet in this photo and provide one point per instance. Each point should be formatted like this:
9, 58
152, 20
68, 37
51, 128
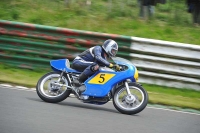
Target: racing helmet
110, 47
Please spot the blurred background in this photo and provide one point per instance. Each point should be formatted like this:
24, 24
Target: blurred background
169, 20
158, 19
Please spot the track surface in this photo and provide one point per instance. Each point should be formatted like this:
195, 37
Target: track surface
24, 112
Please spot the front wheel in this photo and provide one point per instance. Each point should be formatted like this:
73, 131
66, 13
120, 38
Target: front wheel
130, 104
50, 89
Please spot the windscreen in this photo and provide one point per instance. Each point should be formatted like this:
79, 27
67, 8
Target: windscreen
120, 60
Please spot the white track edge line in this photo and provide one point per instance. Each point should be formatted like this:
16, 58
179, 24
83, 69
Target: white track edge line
173, 110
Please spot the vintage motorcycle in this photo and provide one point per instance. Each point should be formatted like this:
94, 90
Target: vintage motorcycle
120, 86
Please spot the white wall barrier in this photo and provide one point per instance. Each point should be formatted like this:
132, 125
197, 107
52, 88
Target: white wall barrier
167, 63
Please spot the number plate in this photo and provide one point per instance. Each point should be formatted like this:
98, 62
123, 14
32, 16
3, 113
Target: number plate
101, 78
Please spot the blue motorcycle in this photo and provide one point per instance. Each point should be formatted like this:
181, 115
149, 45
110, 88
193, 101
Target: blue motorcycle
128, 96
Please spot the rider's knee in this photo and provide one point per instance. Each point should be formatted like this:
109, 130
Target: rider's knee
94, 67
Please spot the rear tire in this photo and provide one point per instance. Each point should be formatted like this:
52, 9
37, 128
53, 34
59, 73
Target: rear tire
44, 88
134, 106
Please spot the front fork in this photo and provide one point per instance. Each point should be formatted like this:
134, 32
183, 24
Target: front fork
127, 88
130, 97
126, 85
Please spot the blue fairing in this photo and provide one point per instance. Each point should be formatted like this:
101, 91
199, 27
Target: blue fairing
101, 90
98, 90
60, 65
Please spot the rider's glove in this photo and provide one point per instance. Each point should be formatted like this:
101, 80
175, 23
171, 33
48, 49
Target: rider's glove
111, 65
117, 67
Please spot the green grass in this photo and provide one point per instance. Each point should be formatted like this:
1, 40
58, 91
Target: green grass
17, 76
183, 98
171, 21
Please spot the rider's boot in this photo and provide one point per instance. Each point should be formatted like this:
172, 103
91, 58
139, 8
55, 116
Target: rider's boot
78, 82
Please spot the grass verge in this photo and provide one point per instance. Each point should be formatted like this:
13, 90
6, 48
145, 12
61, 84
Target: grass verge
183, 98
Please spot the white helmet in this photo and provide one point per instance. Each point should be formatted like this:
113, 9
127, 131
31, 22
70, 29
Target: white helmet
111, 47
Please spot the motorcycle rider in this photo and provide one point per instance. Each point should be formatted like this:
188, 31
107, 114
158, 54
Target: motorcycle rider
88, 62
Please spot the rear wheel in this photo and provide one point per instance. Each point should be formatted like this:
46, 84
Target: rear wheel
130, 104
50, 89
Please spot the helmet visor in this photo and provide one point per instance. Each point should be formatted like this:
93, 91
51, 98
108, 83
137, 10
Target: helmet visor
114, 52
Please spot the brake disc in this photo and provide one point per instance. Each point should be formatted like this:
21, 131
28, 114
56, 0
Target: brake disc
54, 86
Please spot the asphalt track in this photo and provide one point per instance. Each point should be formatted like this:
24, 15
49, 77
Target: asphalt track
22, 111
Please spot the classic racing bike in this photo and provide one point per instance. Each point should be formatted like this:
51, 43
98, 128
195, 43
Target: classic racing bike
119, 86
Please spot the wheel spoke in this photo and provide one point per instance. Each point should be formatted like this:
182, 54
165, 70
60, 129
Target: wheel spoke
137, 101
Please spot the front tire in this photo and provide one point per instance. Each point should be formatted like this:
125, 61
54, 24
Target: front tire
130, 104
50, 90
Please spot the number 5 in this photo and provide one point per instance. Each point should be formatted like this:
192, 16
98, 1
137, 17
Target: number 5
102, 77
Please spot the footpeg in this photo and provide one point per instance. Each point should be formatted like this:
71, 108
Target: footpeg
84, 97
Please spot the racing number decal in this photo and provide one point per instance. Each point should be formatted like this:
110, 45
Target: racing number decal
101, 78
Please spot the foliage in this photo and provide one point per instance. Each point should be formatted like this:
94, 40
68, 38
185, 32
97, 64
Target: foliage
170, 22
